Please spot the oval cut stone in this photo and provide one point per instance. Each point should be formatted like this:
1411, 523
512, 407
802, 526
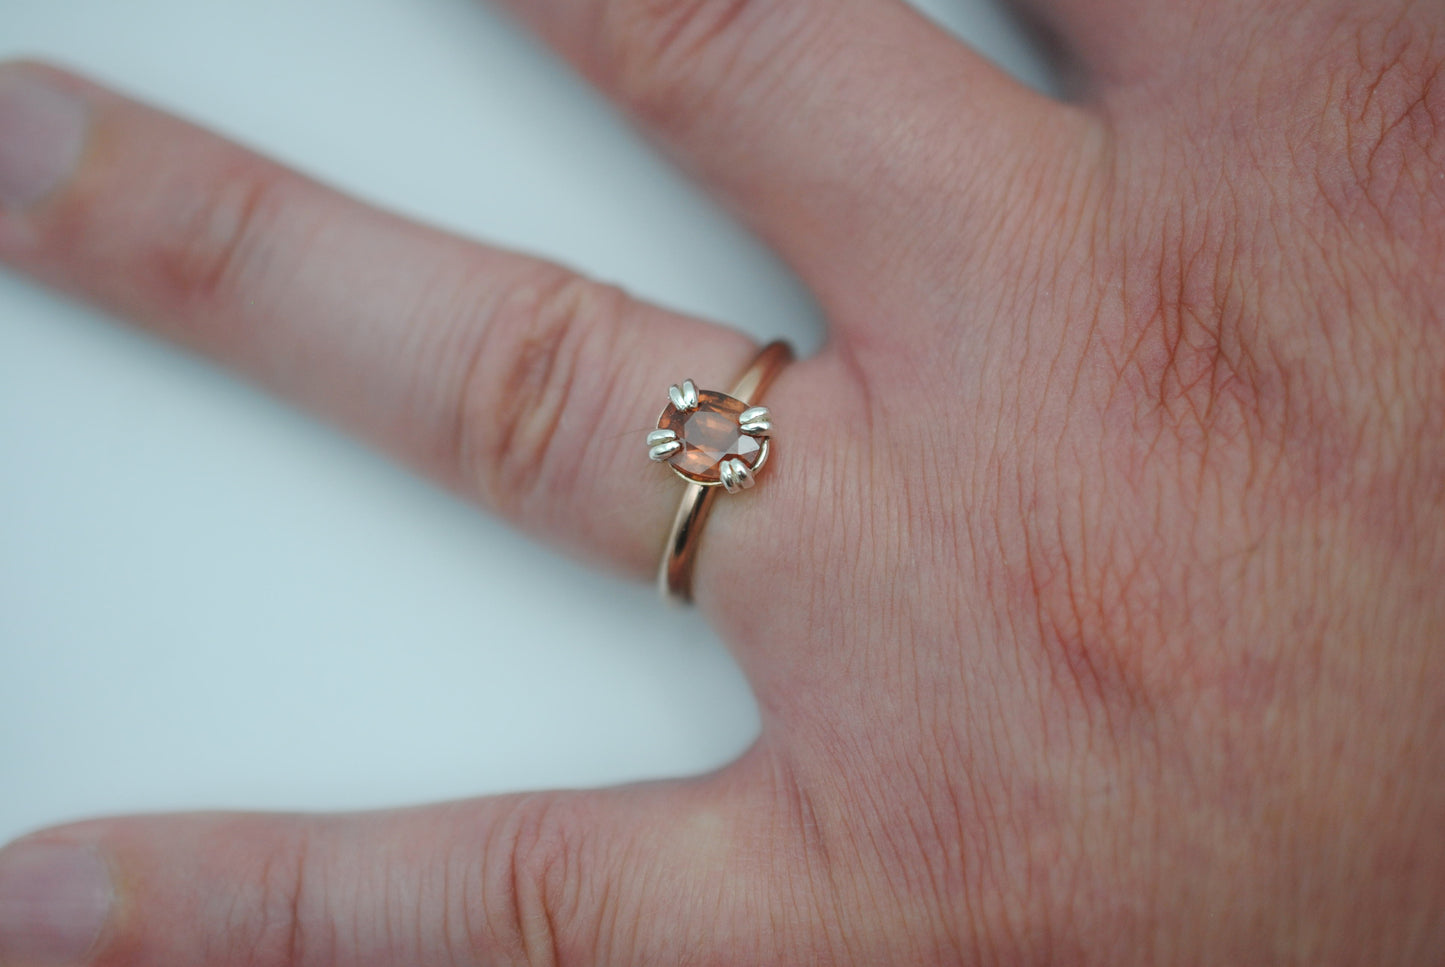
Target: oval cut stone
709, 435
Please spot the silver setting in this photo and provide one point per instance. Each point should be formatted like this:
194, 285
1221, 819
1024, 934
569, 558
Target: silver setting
736, 475
684, 397
733, 475
662, 444
756, 421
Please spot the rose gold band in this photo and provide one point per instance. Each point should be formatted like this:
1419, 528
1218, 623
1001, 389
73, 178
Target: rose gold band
674, 577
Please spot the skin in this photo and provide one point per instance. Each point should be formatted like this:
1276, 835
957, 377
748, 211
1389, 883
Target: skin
1103, 621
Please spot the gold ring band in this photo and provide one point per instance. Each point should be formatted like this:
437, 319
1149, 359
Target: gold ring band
679, 554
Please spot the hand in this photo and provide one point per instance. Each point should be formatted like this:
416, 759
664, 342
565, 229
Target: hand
1100, 619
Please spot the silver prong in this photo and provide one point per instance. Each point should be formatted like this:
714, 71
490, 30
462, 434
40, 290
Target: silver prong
683, 397
736, 475
744, 474
662, 451
756, 421
661, 436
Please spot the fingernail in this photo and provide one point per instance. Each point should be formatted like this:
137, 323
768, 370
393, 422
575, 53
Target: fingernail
42, 131
54, 900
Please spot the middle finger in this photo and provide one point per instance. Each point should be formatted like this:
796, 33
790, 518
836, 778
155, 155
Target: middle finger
837, 127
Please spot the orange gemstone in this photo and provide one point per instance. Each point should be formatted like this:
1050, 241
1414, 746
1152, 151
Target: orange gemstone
709, 435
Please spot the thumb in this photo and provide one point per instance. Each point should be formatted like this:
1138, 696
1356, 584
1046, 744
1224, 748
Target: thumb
626, 876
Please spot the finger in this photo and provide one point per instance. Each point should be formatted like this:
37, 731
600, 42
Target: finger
646, 875
1120, 43
508, 378
836, 127
1179, 44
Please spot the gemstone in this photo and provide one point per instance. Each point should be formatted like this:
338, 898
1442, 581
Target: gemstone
709, 435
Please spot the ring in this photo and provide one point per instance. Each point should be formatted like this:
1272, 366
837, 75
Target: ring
711, 440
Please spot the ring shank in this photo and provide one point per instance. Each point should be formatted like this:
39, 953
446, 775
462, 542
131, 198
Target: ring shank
679, 554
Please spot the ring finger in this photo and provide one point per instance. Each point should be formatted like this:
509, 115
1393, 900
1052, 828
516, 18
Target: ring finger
508, 378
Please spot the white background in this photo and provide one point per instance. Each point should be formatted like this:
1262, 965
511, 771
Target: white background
209, 600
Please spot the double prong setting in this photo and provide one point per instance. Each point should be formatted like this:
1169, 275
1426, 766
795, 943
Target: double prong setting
662, 444
710, 438
756, 421
684, 397
736, 476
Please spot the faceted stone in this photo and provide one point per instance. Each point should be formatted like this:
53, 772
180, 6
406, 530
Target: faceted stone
709, 435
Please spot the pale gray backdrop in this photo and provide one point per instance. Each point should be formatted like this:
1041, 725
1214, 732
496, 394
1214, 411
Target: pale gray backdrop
207, 599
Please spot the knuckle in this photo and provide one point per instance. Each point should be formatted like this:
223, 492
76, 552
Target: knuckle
665, 56
221, 240
515, 429
268, 919
531, 868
